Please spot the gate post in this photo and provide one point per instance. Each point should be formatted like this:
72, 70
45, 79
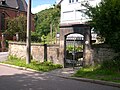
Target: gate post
62, 51
45, 52
87, 47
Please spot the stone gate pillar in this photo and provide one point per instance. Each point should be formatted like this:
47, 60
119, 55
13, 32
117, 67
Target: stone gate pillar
87, 47
83, 29
62, 48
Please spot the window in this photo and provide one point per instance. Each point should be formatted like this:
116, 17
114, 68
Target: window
2, 21
73, 1
69, 1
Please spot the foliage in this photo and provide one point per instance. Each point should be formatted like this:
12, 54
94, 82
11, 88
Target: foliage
113, 65
99, 74
46, 20
35, 37
109, 70
45, 66
16, 25
70, 48
43, 38
106, 20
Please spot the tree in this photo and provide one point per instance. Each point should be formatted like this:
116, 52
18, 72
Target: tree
45, 18
106, 20
16, 25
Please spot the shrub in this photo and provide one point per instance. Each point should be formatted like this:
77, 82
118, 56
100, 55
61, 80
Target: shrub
112, 64
44, 66
70, 48
35, 37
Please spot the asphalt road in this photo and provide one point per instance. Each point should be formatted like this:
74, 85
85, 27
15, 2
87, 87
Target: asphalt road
14, 79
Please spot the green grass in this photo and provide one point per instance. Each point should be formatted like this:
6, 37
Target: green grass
98, 74
45, 66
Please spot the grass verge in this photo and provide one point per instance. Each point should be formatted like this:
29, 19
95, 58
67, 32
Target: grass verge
98, 74
44, 66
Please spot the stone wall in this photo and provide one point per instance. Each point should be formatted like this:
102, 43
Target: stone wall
102, 52
98, 52
37, 51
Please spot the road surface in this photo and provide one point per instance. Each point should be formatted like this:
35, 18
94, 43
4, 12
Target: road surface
15, 79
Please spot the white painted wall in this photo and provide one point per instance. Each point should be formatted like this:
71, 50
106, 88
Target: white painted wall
72, 12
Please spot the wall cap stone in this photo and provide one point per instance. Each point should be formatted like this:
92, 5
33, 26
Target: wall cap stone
33, 44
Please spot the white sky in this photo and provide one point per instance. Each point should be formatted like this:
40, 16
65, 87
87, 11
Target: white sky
40, 8
38, 5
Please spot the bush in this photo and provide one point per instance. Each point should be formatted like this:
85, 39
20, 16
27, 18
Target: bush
70, 48
112, 64
35, 37
44, 66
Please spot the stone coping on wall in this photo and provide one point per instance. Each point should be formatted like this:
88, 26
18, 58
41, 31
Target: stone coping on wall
33, 44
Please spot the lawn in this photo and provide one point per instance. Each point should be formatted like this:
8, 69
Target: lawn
44, 66
98, 74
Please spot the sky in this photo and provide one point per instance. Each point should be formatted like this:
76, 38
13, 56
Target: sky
38, 5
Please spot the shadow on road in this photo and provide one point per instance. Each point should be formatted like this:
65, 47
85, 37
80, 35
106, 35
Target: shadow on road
43, 81
28, 81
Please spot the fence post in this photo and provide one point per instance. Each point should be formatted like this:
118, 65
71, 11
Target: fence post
45, 52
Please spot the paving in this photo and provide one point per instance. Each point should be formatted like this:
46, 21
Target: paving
64, 72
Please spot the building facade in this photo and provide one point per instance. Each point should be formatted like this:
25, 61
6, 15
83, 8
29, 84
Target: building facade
11, 9
72, 11
74, 21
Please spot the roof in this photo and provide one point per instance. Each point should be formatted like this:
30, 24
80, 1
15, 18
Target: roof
16, 4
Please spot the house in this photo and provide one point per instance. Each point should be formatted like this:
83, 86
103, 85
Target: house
74, 21
11, 9
72, 11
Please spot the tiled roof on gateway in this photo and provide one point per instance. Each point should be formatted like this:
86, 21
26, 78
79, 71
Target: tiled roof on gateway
16, 4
